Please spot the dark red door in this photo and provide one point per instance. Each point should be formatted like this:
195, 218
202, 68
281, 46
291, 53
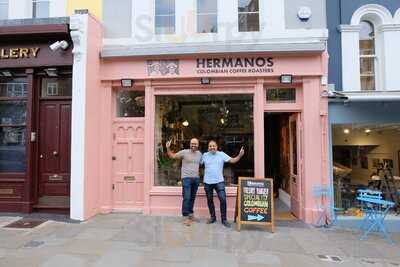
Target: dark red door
54, 148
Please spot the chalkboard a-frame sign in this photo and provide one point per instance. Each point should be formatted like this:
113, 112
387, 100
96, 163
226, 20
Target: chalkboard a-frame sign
255, 202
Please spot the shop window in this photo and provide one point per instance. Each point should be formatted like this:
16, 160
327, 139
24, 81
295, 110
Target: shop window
165, 17
207, 17
130, 103
13, 112
228, 119
249, 15
40, 8
117, 18
368, 57
56, 87
3, 9
281, 95
364, 157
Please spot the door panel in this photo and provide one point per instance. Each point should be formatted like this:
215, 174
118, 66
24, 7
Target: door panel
128, 164
295, 177
54, 148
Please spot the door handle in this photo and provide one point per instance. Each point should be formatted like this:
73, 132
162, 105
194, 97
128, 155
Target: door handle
55, 153
41, 156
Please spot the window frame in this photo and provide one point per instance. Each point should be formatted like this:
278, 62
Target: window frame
34, 3
164, 15
373, 56
202, 14
249, 13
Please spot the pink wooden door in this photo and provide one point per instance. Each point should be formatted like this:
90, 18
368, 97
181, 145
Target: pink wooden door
295, 170
128, 164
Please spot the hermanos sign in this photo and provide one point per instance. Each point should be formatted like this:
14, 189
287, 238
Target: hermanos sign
235, 65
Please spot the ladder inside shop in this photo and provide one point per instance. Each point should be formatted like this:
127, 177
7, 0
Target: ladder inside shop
389, 186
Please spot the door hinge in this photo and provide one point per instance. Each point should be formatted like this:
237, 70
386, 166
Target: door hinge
113, 187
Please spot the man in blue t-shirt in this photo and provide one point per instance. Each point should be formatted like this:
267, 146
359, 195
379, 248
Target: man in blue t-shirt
214, 161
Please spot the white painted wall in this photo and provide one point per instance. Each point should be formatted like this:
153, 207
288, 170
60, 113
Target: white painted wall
387, 36
272, 25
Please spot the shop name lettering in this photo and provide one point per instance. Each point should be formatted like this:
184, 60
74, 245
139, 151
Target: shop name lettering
15, 53
235, 65
255, 200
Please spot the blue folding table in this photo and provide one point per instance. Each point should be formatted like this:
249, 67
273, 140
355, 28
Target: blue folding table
375, 210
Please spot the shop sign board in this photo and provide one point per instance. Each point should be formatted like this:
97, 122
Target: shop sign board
232, 65
255, 202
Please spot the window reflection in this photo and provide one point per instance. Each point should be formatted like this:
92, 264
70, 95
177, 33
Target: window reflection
207, 17
226, 118
130, 103
40, 8
367, 56
248, 12
165, 17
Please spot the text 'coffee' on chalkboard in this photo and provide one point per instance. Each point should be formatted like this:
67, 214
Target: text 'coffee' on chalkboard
255, 202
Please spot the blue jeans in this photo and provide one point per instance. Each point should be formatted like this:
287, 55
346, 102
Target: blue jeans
220, 189
189, 190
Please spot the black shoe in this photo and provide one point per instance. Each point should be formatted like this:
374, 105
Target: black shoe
226, 224
212, 220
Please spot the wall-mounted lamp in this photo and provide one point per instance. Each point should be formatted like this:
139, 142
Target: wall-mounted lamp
51, 72
6, 73
59, 44
205, 80
126, 83
286, 78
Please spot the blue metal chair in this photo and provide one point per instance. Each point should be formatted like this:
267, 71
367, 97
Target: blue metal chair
323, 195
375, 209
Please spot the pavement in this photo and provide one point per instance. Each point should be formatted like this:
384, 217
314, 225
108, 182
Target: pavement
126, 239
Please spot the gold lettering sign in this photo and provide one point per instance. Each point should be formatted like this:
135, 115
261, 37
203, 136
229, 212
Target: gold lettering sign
18, 53
6, 191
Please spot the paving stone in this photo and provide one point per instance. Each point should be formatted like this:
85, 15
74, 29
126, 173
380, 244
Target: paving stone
92, 247
119, 258
172, 254
97, 234
66, 260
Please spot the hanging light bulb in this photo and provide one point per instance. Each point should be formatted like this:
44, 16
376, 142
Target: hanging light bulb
222, 120
185, 123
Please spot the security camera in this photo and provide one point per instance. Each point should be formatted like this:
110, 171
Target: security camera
59, 44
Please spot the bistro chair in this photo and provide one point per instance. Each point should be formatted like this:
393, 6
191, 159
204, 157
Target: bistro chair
375, 209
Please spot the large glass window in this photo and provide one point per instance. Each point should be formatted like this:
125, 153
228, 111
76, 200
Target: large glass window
117, 18
367, 56
207, 16
40, 8
3, 9
165, 17
249, 17
13, 97
228, 119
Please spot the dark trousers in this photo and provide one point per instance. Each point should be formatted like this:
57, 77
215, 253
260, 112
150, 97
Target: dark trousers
189, 190
220, 189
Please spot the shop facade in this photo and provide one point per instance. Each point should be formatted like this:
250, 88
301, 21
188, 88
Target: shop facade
35, 114
134, 104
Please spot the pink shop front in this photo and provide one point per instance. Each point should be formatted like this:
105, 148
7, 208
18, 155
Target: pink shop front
239, 100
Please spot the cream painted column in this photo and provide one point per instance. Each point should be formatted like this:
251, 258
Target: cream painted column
149, 156
259, 129
350, 57
79, 33
391, 56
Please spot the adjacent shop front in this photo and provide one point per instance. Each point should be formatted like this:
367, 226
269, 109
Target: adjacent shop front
35, 115
237, 99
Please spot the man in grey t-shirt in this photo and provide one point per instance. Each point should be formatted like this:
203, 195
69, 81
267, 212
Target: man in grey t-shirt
190, 176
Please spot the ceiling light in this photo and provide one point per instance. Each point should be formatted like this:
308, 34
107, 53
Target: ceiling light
6, 73
367, 130
185, 123
286, 78
346, 131
51, 72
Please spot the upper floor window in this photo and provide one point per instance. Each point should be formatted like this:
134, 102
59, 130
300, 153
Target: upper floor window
367, 56
249, 16
40, 8
207, 16
3, 9
117, 19
165, 17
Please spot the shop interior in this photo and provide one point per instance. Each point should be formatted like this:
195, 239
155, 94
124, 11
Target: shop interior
227, 119
277, 159
365, 156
